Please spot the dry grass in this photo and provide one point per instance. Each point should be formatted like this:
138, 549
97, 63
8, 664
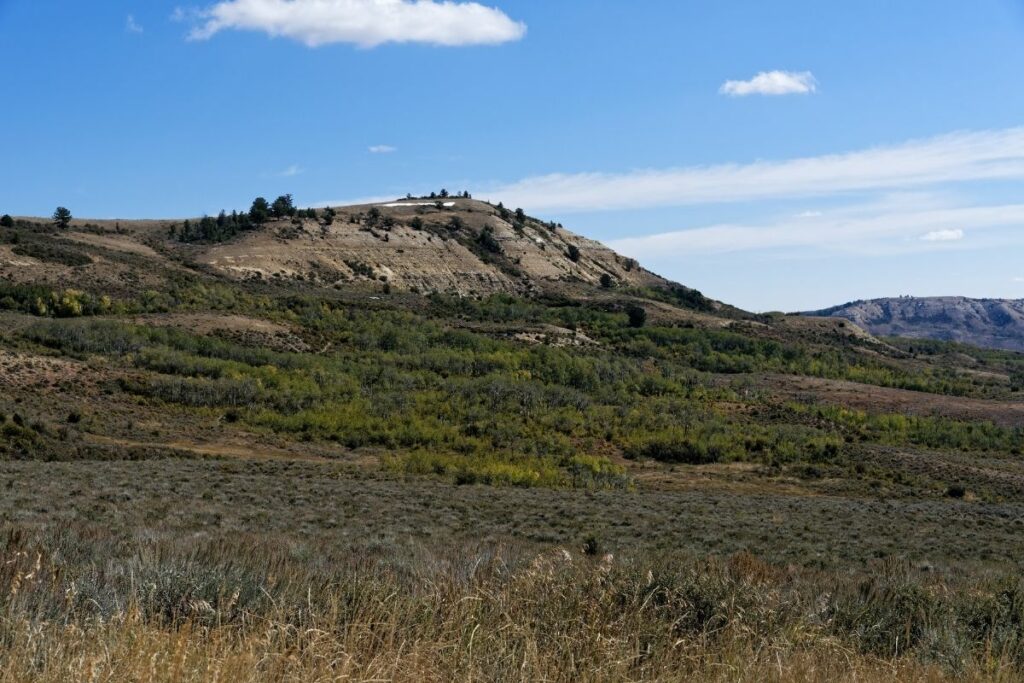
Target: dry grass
81, 607
128, 650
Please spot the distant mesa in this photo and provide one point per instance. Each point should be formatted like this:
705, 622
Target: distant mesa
987, 323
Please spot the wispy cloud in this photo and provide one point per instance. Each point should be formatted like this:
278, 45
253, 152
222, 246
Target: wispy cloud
366, 23
1018, 279
878, 227
383, 149
772, 83
955, 157
292, 171
131, 26
943, 236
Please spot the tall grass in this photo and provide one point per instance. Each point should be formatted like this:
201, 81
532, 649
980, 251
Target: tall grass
85, 606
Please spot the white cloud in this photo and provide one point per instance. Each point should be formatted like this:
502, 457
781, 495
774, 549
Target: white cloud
366, 23
383, 149
956, 157
131, 26
886, 226
809, 214
1018, 279
943, 236
292, 171
772, 83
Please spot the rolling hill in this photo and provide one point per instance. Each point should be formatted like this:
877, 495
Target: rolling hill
459, 247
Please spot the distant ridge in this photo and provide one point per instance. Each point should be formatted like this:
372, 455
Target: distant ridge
988, 323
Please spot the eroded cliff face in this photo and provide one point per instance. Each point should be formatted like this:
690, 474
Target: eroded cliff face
464, 247
991, 323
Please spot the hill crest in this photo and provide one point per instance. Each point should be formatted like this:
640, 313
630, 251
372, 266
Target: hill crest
458, 246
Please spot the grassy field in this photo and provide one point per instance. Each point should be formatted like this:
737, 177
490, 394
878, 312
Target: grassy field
214, 480
84, 603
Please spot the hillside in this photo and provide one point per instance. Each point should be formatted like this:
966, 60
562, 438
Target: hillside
422, 442
464, 247
987, 323
460, 247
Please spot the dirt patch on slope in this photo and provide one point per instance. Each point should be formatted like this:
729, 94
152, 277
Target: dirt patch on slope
243, 329
212, 449
883, 399
113, 242
205, 323
23, 371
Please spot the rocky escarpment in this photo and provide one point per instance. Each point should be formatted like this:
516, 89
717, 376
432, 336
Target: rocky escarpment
463, 247
990, 323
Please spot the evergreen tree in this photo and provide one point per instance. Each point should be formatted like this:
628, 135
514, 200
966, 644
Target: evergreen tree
61, 217
208, 230
260, 211
283, 206
488, 241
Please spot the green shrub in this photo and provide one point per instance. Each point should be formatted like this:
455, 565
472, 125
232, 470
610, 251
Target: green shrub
488, 241
637, 315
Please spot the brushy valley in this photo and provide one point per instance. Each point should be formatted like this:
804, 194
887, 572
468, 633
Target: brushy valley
236, 449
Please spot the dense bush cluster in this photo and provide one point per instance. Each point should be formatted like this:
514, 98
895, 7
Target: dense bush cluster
43, 301
918, 430
621, 329
227, 226
478, 408
207, 229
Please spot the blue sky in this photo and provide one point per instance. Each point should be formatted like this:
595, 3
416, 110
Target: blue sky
880, 151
